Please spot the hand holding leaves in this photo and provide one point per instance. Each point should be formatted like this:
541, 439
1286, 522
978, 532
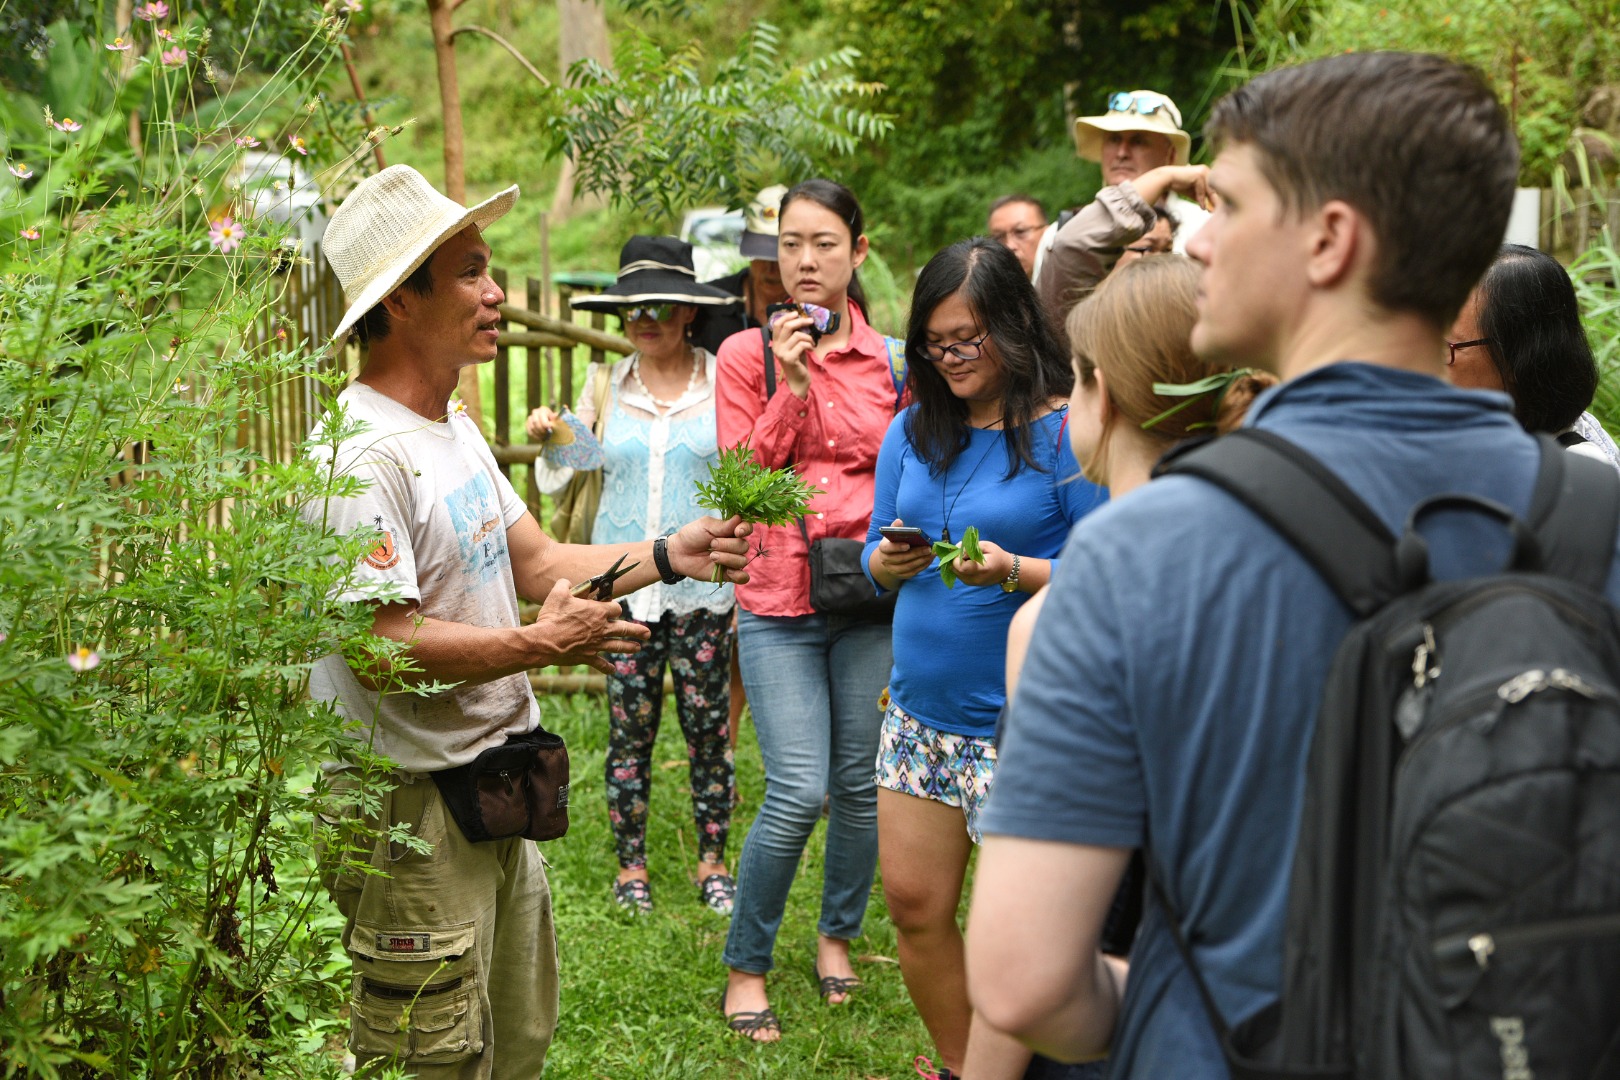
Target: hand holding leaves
948, 553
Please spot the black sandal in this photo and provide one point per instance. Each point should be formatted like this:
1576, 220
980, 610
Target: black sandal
832, 984
749, 1023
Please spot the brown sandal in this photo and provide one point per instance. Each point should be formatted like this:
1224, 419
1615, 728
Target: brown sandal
750, 1023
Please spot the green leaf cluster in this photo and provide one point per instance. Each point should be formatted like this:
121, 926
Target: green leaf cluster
948, 553
739, 486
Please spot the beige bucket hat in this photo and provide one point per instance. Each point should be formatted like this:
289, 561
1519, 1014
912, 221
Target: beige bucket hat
387, 227
759, 233
1137, 110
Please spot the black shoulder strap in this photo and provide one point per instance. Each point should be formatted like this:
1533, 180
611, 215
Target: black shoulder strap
1308, 506
1575, 513
770, 364
1571, 438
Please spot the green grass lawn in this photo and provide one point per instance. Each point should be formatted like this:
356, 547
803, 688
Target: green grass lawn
640, 997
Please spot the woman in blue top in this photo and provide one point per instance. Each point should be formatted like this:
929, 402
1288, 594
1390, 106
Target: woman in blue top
982, 446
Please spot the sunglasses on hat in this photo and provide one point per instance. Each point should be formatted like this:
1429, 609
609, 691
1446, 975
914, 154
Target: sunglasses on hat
1143, 103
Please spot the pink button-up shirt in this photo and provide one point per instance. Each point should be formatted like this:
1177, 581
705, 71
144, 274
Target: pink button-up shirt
832, 439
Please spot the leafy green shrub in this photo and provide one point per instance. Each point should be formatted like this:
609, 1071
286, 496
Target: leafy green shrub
162, 598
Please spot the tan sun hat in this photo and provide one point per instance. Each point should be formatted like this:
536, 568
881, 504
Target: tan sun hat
759, 234
387, 227
1138, 110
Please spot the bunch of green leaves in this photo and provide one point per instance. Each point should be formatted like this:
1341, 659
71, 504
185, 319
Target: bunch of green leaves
653, 134
740, 486
948, 553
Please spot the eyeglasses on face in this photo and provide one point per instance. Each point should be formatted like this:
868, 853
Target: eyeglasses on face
1019, 233
962, 350
655, 312
1455, 345
1143, 103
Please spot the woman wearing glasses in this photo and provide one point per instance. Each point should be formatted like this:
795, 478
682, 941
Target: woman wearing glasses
820, 402
982, 446
1520, 333
658, 437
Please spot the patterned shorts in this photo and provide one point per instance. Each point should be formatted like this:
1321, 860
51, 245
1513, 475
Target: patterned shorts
915, 759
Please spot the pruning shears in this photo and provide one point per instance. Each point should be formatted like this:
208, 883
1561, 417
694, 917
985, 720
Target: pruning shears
600, 587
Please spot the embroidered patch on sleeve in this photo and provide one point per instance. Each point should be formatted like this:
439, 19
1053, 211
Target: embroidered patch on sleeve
383, 556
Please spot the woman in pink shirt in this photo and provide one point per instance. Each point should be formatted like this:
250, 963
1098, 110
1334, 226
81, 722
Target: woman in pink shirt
813, 680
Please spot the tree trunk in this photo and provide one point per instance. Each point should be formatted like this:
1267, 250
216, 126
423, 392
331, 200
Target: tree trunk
440, 14
582, 34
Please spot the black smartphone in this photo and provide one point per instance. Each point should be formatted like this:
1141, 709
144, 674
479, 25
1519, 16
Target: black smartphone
905, 534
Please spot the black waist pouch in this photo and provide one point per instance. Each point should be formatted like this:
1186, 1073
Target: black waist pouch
837, 585
519, 788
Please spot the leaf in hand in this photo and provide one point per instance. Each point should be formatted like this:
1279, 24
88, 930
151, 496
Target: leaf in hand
970, 545
948, 553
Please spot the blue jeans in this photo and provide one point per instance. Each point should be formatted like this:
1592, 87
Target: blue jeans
813, 683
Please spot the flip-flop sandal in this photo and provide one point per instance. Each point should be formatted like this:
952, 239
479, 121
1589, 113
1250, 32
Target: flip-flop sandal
634, 896
749, 1024
832, 984
718, 893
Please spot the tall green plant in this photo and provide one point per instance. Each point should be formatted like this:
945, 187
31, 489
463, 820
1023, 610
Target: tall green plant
164, 591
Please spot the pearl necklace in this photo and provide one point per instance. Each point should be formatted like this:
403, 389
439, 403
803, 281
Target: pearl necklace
635, 377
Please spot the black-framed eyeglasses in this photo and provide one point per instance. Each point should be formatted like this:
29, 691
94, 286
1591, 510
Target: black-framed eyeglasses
1455, 345
1143, 103
962, 350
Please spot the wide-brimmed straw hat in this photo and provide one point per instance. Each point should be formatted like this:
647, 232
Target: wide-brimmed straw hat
654, 270
759, 233
1137, 110
387, 227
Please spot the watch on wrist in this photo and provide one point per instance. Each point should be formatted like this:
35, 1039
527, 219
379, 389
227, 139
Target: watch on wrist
1011, 584
666, 572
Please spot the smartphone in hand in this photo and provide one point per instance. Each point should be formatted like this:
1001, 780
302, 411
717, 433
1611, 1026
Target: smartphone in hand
905, 534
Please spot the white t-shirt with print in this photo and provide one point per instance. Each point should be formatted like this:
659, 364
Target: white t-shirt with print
434, 492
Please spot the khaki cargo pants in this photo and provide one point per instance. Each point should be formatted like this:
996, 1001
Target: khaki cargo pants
454, 953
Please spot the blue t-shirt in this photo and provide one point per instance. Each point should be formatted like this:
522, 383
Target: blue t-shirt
950, 645
1176, 671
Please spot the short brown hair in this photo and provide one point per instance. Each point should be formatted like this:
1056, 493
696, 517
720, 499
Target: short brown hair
1418, 144
1137, 327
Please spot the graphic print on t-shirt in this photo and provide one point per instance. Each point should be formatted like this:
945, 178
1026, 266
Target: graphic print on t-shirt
477, 521
384, 556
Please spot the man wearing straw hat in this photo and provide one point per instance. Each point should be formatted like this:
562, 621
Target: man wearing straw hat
758, 285
1143, 153
433, 932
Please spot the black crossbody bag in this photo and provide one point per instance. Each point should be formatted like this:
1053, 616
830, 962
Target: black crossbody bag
838, 585
519, 788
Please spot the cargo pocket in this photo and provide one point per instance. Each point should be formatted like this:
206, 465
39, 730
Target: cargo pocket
416, 993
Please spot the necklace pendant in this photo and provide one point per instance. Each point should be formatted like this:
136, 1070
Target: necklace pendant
945, 534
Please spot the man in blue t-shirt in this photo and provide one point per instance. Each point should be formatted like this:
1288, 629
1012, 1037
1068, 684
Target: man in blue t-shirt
1173, 684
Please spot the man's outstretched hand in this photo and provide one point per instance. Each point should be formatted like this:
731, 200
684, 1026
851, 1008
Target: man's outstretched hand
572, 630
706, 543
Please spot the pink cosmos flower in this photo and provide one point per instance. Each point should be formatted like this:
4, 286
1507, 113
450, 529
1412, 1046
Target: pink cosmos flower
67, 123
165, 35
21, 172
174, 57
83, 659
118, 45
354, 6
153, 11
225, 234
180, 387
246, 140
29, 234
297, 144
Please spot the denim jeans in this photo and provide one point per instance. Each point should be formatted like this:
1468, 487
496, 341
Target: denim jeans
813, 683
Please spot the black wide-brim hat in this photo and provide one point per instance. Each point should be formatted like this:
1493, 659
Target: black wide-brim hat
654, 270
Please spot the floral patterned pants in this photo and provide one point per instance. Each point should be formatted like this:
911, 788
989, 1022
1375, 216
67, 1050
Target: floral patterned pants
697, 648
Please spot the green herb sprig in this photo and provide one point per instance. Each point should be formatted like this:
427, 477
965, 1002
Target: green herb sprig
741, 487
948, 553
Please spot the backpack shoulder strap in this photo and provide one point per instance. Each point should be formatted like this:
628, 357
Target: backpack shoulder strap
1575, 514
897, 367
1307, 505
770, 363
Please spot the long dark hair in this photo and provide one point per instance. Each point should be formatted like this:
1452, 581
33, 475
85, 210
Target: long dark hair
1000, 296
1527, 308
831, 195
